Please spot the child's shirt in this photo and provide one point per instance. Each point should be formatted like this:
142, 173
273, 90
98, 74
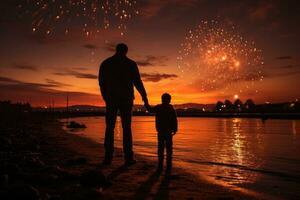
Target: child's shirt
165, 118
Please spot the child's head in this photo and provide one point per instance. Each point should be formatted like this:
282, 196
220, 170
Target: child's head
166, 98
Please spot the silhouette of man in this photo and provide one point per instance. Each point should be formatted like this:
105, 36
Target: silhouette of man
117, 77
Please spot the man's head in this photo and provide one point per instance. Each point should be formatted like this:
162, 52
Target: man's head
121, 49
166, 98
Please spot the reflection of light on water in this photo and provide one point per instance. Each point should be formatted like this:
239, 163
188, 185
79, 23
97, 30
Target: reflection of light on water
294, 127
238, 151
232, 149
118, 129
237, 140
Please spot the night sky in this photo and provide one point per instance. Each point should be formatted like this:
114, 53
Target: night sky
40, 67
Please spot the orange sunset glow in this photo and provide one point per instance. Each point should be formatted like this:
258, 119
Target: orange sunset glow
258, 58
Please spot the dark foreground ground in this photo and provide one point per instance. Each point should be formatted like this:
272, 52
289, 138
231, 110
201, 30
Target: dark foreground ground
38, 160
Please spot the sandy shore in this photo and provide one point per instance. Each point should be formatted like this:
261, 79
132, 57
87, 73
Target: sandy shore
41, 161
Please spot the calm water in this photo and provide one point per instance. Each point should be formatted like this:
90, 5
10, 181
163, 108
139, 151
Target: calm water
244, 154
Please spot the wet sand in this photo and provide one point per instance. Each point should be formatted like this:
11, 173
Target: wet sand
39, 160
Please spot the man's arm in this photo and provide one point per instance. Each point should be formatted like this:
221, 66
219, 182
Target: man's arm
137, 81
175, 121
102, 82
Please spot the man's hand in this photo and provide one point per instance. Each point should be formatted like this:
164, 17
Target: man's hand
147, 106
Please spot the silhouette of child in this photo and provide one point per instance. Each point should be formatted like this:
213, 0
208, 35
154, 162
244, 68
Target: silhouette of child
166, 126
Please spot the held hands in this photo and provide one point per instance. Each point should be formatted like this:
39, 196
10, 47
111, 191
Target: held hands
147, 105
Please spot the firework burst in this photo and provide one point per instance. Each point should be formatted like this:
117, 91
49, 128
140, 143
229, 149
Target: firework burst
50, 16
214, 56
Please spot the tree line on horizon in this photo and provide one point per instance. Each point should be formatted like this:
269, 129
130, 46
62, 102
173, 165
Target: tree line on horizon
250, 106
237, 105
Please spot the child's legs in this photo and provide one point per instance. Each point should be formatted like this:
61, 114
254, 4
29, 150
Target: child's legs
169, 147
161, 147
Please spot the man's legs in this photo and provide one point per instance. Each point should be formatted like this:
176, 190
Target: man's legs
125, 112
160, 150
169, 146
110, 119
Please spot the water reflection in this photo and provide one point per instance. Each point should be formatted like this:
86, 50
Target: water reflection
294, 127
232, 151
118, 129
238, 142
235, 151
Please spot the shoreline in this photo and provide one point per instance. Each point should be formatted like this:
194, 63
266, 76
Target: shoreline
64, 158
146, 183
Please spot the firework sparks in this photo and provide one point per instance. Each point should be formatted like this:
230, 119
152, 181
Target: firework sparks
49, 16
216, 57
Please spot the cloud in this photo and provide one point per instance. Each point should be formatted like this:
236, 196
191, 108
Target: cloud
49, 83
282, 74
54, 83
111, 47
76, 74
263, 10
156, 77
289, 66
154, 7
8, 80
284, 58
187, 3
80, 68
25, 67
42, 94
90, 46
151, 60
